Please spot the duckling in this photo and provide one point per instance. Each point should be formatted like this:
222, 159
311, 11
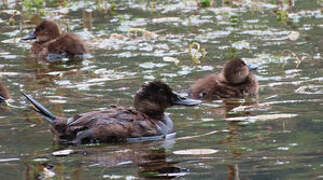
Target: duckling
147, 119
235, 81
4, 93
52, 44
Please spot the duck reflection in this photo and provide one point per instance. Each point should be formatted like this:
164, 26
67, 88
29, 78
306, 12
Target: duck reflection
151, 159
233, 172
233, 107
151, 162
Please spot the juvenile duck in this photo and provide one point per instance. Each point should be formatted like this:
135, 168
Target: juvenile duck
52, 44
235, 81
4, 93
147, 119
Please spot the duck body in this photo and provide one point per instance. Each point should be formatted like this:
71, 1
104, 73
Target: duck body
113, 124
235, 81
118, 123
52, 44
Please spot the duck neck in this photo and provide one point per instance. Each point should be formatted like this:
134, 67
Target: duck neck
247, 80
154, 114
164, 124
43, 42
153, 110
169, 123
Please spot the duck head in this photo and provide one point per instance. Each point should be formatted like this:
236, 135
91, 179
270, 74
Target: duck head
236, 71
45, 31
155, 97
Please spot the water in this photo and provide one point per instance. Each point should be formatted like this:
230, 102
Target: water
278, 136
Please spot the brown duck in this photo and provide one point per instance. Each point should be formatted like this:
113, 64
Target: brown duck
52, 44
147, 119
235, 81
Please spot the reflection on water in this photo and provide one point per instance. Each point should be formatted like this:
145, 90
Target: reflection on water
149, 162
275, 136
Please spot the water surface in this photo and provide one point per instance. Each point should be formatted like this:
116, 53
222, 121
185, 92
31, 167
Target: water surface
277, 136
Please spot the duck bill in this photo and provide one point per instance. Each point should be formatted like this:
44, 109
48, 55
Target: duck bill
252, 67
29, 37
184, 101
2, 99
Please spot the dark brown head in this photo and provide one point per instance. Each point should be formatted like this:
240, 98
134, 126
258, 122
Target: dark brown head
4, 93
236, 71
45, 31
154, 97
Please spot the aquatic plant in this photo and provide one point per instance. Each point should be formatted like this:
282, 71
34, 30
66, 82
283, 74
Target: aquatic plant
196, 52
282, 16
30, 4
205, 3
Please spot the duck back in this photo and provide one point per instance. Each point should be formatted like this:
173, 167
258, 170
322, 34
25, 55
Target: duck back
216, 87
68, 43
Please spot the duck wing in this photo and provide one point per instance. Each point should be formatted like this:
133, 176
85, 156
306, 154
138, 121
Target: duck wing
112, 124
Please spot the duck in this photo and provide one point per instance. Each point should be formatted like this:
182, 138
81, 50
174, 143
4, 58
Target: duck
114, 124
235, 81
4, 93
53, 45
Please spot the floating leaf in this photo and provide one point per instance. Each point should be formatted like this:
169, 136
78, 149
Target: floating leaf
9, 159
63, 152
136, 32
151, 65
294, 35
11, 12
241, 45
264, 117
166, 20
117, 36
47, 173
195, 152
40, 159
171, 59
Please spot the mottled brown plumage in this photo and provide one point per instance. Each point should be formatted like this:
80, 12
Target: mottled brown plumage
4, 92
236, 80
118, 123
52, 43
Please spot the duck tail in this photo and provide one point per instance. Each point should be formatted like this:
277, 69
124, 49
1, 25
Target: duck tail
50, 117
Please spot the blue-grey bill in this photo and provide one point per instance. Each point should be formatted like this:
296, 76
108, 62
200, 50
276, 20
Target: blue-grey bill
2, 98
185, 101
29, 37
252, 67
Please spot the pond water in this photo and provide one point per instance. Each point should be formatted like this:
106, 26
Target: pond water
277, 136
